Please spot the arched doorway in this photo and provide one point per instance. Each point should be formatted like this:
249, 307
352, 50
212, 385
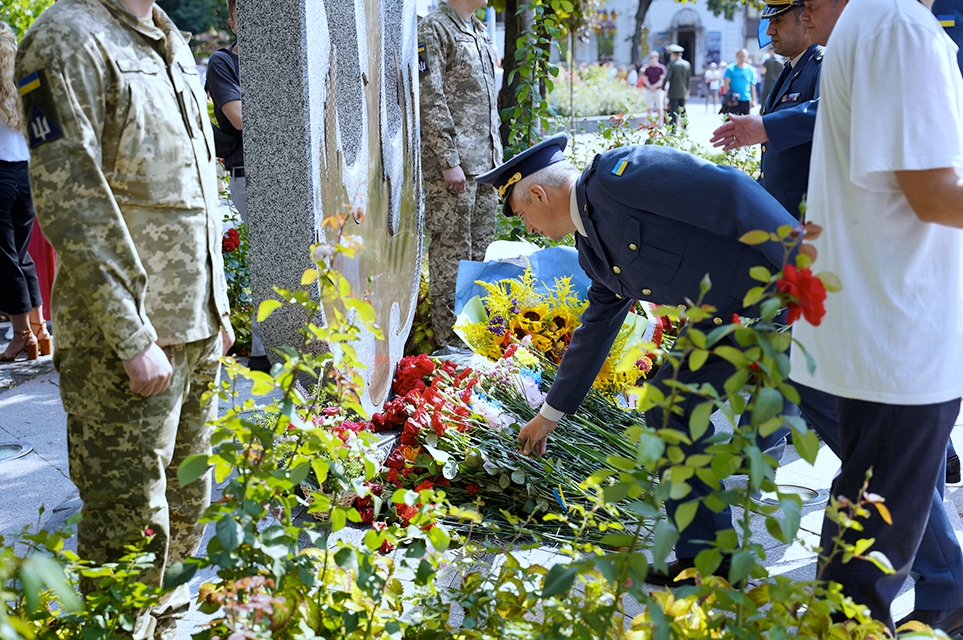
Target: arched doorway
687, 31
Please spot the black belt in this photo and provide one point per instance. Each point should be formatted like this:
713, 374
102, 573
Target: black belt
237, 172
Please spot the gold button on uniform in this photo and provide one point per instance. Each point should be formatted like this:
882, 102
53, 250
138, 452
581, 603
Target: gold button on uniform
762, 175
616, 270
717, 321
763, 148
646, 292
633, 247
618, 295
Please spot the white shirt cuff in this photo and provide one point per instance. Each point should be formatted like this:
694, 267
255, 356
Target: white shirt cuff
550, 413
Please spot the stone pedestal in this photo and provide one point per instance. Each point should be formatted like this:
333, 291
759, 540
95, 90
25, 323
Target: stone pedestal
331, 127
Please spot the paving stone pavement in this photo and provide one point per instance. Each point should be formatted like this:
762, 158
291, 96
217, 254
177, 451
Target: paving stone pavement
31, 413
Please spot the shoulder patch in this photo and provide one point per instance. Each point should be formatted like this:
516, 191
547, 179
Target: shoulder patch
422, 65
29, 83
43, 118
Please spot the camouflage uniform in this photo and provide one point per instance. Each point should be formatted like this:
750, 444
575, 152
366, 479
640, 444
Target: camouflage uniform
459, 126
124, 184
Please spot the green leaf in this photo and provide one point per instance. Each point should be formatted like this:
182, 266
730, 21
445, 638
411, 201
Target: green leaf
698, 358
685, 513
229, 533
559, 580
753, 296
616, 492
767, 405
518, 477
806, 444
830, 281
191, 469
425, 572
666, 535
439, 538
731, 355
179, 573
266, 308
618, 540
263, 383
760, 273
309, 276
699, 420
742, 563
755, 237
39, 572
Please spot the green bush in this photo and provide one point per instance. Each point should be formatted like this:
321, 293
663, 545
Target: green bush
595, 94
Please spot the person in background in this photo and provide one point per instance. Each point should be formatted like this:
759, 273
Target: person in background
677, 76
772, 68
740, 79
459, 140
651, 80
224, 86
123, 176
633, 77
19, 288
713, 80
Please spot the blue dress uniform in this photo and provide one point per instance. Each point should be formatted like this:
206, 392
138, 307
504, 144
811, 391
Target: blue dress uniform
656, 221
789, 116
950, 15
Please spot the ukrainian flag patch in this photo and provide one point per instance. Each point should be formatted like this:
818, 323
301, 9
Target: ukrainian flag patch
619, 169
948, 20
29, 83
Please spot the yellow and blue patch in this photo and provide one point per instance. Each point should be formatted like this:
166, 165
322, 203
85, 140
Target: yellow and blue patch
948, 20
29, 83
422, 63
619, 168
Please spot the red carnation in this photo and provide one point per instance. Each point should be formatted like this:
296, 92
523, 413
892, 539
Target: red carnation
473, 489
396, 460
367, 515
808, 293
444, 482
427, 485
231, 241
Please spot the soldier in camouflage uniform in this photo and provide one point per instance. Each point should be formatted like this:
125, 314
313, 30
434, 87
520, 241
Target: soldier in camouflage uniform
459, 140
122, 168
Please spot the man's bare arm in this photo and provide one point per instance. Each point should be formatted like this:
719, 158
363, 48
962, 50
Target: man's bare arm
936, 195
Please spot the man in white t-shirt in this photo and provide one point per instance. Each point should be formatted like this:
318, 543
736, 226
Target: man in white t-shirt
886, 190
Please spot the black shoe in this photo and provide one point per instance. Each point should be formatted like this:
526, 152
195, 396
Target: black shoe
259, 363
953, 470
950, 621
674, 568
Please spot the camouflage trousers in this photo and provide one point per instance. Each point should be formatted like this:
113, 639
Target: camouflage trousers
124, 451
462, 225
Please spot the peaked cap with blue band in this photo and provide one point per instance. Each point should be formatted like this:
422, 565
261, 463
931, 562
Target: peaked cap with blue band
506, 175
778, 7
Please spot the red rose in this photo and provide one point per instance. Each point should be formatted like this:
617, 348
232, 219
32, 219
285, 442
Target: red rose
808, 295
736, 319
148, 532
367, 515
444, 482
473, 489
427, 485
231, 241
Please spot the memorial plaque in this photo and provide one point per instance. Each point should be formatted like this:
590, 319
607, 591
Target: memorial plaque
331, 127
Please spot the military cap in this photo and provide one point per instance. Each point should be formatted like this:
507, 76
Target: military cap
778, 7
675, 48
506, 175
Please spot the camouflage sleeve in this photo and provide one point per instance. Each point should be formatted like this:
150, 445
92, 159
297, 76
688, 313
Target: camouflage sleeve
64, 115
437, 125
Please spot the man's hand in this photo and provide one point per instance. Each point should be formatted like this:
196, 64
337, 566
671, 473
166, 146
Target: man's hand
454, 179
227, 334
739, 131
534, 435
150, 371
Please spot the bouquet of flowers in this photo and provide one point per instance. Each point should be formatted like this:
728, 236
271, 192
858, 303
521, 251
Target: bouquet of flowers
515, 313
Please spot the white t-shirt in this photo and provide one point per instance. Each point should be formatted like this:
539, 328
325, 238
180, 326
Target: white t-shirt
891, 99
13, 146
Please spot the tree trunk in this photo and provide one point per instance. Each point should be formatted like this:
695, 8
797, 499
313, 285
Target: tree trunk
637, 52
516, 25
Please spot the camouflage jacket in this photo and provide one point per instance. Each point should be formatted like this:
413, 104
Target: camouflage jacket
459, 115
677, 77
122, 170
